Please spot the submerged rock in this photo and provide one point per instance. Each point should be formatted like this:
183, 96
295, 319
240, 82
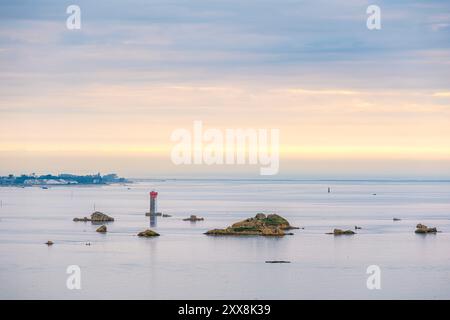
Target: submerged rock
49, 243
148, 233
421, 228
261, 225
338, 232
193, 218
102, 229
97, 216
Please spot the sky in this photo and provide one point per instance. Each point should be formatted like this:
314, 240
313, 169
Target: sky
349, 102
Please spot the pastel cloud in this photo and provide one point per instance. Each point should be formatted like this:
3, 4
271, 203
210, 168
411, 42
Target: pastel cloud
137, 70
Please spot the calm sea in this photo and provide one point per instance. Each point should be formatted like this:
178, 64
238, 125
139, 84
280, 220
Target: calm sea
183, 263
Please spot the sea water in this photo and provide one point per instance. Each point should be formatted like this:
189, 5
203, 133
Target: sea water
183, 263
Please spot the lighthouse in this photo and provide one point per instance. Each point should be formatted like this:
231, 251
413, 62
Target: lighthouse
153, 197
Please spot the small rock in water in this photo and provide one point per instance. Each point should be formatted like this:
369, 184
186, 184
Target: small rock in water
277, 261
193, 218
357, 228
97, 216
85, 219
49, 243
148, 233
102, 229
396, 219
338, 232
421, 228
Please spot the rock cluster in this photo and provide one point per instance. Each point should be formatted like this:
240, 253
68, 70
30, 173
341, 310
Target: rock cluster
421, 228
148, 233
261, 225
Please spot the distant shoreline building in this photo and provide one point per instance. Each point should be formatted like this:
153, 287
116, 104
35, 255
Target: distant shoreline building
61, 179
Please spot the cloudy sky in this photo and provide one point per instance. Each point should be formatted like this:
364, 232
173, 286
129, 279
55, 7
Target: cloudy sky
349, 102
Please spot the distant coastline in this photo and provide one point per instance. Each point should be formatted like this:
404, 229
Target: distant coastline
60, 179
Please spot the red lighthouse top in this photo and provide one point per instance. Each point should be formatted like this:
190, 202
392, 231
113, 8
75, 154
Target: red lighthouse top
153, 194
